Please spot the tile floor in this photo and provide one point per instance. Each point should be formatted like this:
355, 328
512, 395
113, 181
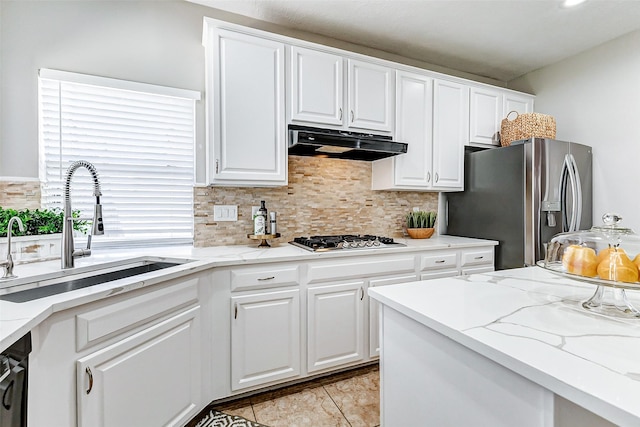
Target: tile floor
349, 399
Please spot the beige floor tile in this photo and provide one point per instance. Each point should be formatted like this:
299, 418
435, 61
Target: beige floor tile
244, 412
358, 398
309, 407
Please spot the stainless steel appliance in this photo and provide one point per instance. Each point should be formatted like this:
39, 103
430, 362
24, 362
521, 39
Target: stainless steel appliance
346, 241
523, 195
14, 369
340, 144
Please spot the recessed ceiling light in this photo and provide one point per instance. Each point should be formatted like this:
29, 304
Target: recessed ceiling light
571, 3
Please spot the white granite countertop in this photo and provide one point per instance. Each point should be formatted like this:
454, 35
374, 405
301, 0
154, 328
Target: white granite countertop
16, 319
531, 321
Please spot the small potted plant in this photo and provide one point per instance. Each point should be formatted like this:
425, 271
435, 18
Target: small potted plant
420, 224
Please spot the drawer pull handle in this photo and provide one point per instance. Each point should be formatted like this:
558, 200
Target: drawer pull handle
235, 311
479, 257
90, 374
361, 293
440, 261
263, 279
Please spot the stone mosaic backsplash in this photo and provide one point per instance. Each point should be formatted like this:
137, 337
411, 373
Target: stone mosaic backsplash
16, 194
324, 196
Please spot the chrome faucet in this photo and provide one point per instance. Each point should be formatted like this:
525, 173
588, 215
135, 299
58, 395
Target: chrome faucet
69, 253
8, 263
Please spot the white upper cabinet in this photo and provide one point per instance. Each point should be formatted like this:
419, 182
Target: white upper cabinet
520, 103
488, 106
246, 110
433, 118
450, 133
370, 99
316, 86
414, 123
317, 90
485, 115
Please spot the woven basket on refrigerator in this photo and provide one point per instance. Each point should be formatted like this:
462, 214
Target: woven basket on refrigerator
527, 125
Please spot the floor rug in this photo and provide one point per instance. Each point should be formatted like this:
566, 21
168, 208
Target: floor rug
219, 419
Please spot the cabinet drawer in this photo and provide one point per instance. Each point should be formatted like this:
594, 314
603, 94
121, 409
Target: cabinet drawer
264, 277
439, 260
373, 266
483, 256
97, 325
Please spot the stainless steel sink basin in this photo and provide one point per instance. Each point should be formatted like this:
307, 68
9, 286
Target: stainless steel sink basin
47, 286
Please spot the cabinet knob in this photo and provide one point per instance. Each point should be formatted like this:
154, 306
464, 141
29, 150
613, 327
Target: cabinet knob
90, 374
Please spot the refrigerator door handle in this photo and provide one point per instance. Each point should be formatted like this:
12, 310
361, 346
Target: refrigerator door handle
577, 192
571, 169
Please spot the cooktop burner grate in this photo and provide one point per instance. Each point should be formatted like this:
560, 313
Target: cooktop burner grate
343, 241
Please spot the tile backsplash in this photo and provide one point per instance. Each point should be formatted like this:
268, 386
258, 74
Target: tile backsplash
19, 194
324, 196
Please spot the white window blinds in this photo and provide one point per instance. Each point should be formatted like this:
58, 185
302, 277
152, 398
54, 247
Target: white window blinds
141, 143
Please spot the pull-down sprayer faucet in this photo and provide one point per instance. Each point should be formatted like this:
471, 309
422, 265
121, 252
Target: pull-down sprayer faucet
69, 253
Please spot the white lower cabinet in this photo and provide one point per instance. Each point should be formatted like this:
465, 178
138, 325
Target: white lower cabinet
335, 333
148, 379
265, 338
374, 312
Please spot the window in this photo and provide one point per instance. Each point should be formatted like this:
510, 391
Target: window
139, 137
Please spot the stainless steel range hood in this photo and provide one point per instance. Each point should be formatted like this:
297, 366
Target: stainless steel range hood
338, 144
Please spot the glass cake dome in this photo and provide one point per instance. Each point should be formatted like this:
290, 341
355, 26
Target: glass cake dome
607, 256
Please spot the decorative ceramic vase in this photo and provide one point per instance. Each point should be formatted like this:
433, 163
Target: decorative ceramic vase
420, 233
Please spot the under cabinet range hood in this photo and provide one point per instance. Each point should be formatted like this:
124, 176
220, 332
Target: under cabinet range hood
340, 144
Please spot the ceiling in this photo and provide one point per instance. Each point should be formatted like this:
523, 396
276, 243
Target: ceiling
499, 39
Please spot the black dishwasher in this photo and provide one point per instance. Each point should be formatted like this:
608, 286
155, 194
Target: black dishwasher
14, 367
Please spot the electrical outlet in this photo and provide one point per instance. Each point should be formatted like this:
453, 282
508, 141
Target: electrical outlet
254, 210
416, 209
225, 212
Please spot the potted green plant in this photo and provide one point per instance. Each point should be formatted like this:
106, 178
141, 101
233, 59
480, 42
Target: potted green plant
420, 224
41, 237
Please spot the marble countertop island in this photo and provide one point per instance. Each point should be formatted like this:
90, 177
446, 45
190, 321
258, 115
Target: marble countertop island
531, 322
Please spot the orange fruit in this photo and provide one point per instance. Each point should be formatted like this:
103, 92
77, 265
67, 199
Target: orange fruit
580, 260
618, 267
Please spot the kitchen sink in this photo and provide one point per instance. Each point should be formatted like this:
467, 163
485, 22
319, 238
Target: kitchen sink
40, 288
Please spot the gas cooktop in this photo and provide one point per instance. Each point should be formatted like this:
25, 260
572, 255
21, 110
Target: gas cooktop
343, 241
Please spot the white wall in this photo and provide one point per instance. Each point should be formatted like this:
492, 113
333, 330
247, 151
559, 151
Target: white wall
150, 41
595, 98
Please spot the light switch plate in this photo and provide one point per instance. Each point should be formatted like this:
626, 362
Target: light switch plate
225, 212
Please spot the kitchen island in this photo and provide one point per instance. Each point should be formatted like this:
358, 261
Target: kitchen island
506, 348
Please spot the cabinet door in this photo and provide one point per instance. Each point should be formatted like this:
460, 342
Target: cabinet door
247, 127
335, 325
450, 132
265, 338
370, 96
485, 115
374, 311
148, 379
316, 86
518, 103
414, 126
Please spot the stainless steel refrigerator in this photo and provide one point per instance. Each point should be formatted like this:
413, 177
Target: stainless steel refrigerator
521, 196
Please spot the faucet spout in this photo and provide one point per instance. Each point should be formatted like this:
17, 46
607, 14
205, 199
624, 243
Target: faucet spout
69, 253
8, 263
